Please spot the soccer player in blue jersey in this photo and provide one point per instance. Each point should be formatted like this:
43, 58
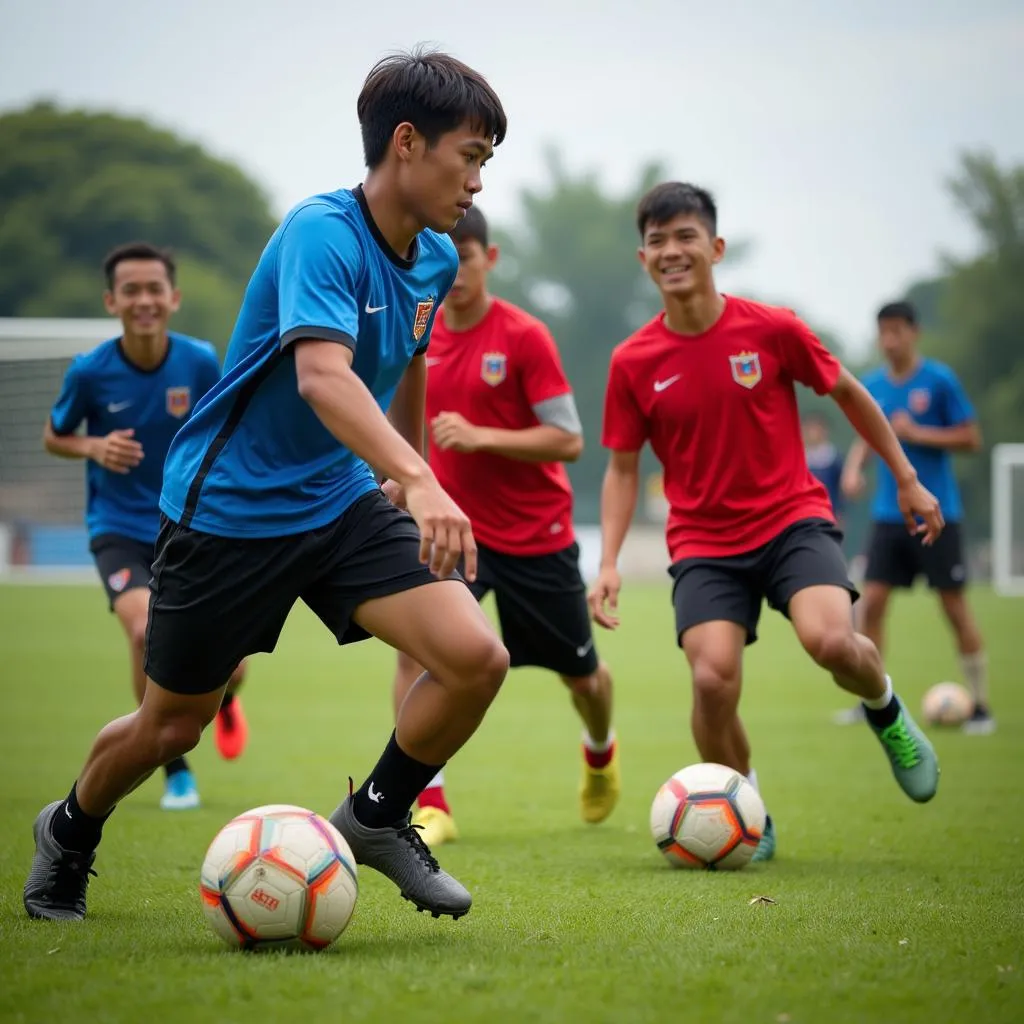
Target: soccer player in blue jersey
269, 495
133, 393
933, 417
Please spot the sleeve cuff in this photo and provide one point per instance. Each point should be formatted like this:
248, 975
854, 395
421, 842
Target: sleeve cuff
317, 334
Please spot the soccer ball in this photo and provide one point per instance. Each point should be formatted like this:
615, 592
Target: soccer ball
947, 704
707, 816
279, 875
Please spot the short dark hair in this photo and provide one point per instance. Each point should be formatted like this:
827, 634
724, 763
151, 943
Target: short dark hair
137, 251
432, 91
671, 198
901, 310
472, 228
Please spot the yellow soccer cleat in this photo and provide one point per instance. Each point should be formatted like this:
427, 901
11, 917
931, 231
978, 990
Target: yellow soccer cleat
436, 827
599, 791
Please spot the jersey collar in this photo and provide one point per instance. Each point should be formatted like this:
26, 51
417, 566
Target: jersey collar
382, 244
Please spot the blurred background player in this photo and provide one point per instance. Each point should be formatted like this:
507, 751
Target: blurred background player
823, 459
502, 421
932, 417
133, 393
709, 382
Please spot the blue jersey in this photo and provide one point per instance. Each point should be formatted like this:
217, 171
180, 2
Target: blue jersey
254, 460
109, 393
933, 397
825, 462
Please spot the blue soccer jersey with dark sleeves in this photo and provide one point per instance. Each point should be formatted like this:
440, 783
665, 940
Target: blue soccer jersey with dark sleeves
254, 460
934, 397
107, 392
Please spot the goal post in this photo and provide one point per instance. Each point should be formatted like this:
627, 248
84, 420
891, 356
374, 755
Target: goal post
1008, 519
42, 533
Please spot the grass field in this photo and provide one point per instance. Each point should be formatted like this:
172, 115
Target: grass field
884, 910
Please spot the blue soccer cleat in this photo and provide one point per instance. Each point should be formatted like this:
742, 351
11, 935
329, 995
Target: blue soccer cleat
180, 793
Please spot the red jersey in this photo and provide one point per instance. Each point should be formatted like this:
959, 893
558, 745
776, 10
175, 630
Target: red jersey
720, 412
494, 375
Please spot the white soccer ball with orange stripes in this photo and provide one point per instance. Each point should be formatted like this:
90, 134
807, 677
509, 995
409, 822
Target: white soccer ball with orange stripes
707, 816
279, 875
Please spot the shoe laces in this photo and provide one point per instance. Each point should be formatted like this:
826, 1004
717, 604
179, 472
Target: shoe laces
901, 745
68, 877
411, 834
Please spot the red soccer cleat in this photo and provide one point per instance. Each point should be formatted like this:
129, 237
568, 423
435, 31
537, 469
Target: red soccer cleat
231, 731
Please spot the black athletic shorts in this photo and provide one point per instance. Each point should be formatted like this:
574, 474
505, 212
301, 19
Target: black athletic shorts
808, 553
897, 559
542, 607
217, 599
123, 563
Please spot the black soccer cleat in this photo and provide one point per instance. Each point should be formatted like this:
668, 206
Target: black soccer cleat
55, 889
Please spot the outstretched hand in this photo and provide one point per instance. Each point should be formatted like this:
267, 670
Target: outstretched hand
603, 598
916, 502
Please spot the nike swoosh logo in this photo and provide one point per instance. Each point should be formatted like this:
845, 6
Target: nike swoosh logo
117, 406
374, 794
374, 309
582, 651
660, 385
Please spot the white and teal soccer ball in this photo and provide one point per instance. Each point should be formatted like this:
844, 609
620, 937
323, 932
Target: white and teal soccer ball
279, 875
947, 704
708, 817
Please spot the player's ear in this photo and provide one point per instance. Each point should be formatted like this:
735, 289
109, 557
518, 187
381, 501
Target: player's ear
492, 256
109, 304
175, 304
717, 249
406, 140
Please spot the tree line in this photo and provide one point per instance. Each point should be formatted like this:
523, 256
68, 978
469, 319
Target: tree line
73, 184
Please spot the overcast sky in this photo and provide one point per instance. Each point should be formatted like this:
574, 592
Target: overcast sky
825, 129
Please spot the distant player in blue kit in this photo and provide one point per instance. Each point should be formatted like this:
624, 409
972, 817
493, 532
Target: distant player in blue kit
269, 496
823, 459
933, 417
133, 393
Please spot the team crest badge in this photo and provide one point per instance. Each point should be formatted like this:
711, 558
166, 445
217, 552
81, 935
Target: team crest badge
423, 311
919, 399
746, 369
119, 580
179, 401
494, 368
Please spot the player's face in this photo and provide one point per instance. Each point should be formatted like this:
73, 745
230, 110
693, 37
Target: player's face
679, 255
143, 297
475, 263
814, 434
897, 340
443, 179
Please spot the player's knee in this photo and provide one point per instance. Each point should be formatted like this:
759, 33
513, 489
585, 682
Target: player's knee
485, 666
175, 735
833, 648
716, 687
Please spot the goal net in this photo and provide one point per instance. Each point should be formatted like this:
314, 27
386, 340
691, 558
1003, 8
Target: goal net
42, 498
1008, 519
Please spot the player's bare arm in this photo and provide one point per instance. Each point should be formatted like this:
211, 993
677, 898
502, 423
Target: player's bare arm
407, 415
619, 492
118, 451
869, 421
964, 437
349, 411
542, 443
852, 482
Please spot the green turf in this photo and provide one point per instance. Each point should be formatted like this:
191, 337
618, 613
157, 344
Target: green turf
884, 910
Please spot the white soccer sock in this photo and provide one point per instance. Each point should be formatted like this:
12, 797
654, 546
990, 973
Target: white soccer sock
752, 779
437, 782
598, 748
883, 701
975, 668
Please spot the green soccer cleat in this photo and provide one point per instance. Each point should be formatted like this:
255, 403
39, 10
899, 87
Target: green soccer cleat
911, 755
766, 847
